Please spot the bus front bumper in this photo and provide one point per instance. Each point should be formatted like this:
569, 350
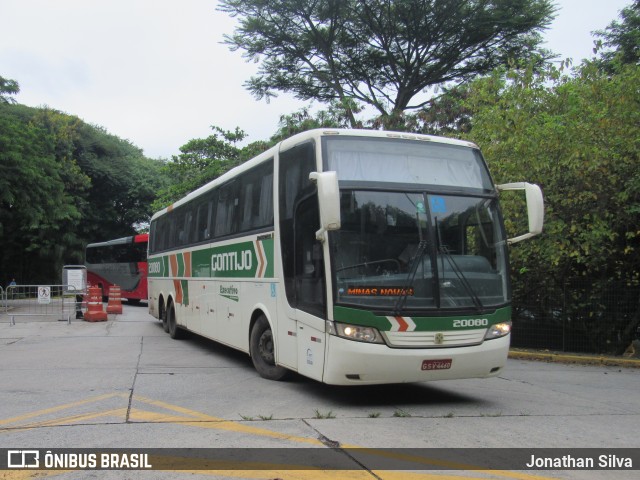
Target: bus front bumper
357, 363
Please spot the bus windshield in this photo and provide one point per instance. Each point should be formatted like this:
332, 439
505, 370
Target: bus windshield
400, 251
406, 162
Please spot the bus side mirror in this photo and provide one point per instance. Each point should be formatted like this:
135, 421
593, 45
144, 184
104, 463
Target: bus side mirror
328, 200
535, 208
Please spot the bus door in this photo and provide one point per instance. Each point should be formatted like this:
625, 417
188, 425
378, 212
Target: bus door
310, 289
301, 337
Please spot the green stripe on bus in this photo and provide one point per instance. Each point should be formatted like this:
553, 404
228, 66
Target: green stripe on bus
238, 260
423, 324
267, 246
185, 292
180, 260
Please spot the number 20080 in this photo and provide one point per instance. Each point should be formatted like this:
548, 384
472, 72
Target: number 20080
471, 322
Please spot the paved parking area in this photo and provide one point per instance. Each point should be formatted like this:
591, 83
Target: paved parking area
125, 384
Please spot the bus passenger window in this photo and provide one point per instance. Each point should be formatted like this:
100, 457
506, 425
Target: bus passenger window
201, 222
227, 209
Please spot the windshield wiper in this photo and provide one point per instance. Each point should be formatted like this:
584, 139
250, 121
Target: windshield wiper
411, 275
456, 269
463, 280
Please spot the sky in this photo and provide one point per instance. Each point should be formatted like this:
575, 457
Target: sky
155, 72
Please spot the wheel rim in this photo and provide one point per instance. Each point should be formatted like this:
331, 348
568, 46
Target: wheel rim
265, 347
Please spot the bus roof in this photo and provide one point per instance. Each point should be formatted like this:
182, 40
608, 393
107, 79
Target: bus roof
140, 238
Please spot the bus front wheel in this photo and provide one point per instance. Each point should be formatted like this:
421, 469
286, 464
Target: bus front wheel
263, 351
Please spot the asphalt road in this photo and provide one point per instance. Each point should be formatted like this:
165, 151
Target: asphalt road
125, 384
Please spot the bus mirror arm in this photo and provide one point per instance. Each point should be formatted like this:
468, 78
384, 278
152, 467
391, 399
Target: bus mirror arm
535, 208
328, 201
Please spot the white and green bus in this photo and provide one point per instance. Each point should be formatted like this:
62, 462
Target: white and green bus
349, 256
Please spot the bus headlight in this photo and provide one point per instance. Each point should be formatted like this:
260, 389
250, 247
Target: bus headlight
354, 332
498, 330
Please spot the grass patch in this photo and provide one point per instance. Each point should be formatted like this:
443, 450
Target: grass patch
401, 414
321, 415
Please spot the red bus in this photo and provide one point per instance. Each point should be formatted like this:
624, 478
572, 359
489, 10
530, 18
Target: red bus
121, 262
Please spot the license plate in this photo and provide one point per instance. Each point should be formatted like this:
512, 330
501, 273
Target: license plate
442, 364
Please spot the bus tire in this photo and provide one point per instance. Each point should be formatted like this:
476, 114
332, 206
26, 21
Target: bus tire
175, 331
165, 320
262, 351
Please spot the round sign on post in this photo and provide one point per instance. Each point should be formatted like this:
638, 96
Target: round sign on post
44, 295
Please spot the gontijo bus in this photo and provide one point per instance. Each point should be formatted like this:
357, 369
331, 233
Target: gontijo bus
351, 257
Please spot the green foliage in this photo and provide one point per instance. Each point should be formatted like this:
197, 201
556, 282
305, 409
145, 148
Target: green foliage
8, 87
204, 159
381, 53
37, 208
444, 115
123, 183
578, 137
201, 161
64, 184
622, 38
337, 115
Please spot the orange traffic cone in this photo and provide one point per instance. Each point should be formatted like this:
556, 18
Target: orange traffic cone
94, 312
115, 302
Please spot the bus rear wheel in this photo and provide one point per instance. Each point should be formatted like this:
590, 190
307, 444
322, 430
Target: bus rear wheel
261, 347
175, 331
165, 320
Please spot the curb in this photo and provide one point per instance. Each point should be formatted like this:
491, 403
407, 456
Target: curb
576, 359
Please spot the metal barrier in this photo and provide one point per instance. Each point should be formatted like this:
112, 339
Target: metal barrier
59, 301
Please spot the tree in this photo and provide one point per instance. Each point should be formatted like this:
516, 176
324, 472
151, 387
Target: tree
8, 87
200, 161
336, 116
64, 184
123, 182
382, 53
623, 38
446, 115
578, 137
38, 206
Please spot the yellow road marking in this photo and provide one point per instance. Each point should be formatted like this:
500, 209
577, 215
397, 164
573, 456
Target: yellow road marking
328, 475
46, 411
267, 474
184, 416
118, 412
174, 408
28, 474
220, 424
207, 421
